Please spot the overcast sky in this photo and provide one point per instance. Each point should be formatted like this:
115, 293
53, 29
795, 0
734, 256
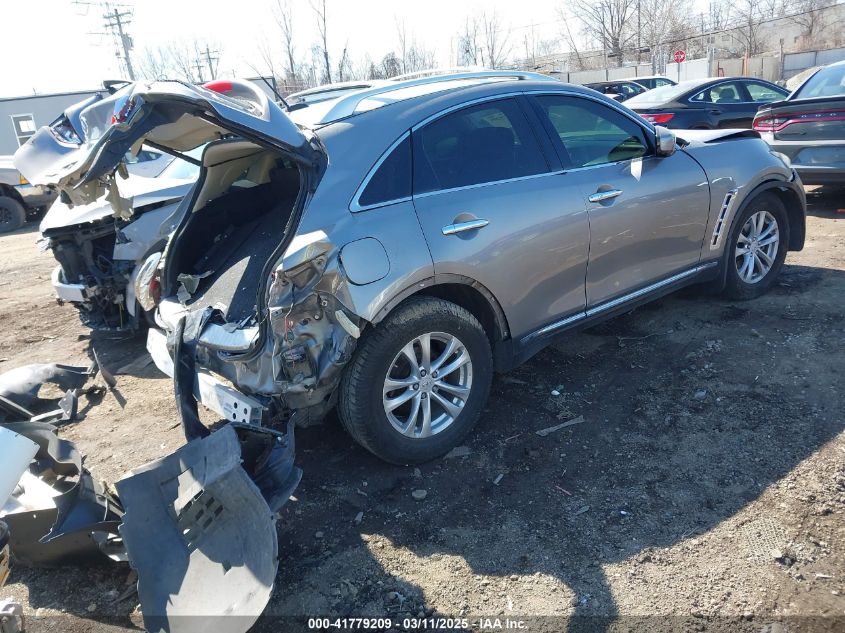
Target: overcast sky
47, 45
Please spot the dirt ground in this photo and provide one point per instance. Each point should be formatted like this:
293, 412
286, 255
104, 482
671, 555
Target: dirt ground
705, 486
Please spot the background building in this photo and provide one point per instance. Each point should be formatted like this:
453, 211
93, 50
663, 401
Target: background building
21, 116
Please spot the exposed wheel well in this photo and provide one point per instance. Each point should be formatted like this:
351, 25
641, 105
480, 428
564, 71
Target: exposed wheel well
476, 299
797, 223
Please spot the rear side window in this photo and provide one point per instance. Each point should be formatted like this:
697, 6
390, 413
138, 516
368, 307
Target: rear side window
591, 133
484, 143
762, 93
392, 179
728, 92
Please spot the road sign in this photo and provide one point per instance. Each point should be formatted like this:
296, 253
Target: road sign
679, 56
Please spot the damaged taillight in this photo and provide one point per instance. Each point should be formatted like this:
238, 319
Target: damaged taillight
148, 283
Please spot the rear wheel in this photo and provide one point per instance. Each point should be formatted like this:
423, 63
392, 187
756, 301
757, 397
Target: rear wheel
418, 382
12, 214
757, 247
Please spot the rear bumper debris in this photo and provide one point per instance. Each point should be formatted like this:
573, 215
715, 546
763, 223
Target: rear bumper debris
211, 519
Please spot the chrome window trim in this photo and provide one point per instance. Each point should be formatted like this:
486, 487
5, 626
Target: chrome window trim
613, 303
355, 205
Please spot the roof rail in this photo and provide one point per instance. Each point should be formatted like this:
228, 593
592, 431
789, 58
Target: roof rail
346, 105
431, 72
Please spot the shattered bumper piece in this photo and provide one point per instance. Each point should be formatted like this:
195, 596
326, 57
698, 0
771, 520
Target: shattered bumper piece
202, 534
58, 513
19, 399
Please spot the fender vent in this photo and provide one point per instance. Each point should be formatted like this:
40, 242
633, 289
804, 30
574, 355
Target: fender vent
722, 219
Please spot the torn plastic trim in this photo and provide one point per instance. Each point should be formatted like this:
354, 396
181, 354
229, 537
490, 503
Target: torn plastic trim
20, 386
58, 513
208, 509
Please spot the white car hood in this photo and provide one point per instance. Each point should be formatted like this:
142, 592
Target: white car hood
142, 191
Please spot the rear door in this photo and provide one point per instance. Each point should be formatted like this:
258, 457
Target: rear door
495, 208
727, 103
647, 214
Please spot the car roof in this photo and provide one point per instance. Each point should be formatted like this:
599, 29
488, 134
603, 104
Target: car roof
333, 102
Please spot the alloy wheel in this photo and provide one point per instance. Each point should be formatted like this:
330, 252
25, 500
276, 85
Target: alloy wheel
427, 385
757, 247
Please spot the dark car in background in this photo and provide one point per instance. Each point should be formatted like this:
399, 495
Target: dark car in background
703, 104
809, 126
619, 90
651, 82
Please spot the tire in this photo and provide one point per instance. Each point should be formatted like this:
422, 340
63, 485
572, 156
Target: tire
745, 277
362, 399
12, 214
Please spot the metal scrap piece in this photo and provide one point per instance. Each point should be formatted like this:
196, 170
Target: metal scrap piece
200, 533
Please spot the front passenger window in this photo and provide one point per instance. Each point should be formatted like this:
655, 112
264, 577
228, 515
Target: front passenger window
591, 133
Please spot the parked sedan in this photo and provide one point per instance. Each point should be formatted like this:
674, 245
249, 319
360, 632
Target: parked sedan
701, 104
618, 90
809, 127
390, 248
651, 82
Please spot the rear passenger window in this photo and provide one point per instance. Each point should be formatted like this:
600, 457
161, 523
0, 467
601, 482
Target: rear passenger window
484, 143
592, 133
392, 179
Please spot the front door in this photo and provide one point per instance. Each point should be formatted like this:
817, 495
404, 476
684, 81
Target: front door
493, 209
647, 214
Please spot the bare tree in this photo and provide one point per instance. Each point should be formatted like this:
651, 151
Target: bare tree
809, 15
468, 51
344, 66
284, 18
319, 7
750, 14
412, 56
609, 23
495, 40
186, 60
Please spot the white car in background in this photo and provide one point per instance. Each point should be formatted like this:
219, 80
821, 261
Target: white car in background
100, 254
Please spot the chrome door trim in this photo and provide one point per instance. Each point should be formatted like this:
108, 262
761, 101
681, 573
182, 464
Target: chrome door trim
601, 196
460, 227
486, 184
614, 303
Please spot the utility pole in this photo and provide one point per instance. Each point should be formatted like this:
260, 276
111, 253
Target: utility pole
212, 68
198, 66
116, 19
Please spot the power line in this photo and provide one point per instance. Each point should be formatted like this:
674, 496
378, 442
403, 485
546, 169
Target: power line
116, 19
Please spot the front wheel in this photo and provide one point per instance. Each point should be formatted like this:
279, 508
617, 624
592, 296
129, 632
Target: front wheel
418, 382
757, 247
12, 214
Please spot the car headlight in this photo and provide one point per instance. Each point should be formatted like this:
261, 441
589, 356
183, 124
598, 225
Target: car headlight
148, 283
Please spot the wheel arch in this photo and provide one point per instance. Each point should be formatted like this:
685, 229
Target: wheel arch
793, 201
460, 290
11, 192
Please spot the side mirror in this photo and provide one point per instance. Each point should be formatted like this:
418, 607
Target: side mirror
665, 141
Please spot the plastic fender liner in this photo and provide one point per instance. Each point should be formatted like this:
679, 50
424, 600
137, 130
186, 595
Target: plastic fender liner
21, 385
54, 519
201, 535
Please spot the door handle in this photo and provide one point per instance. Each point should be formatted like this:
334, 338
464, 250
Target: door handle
601, 196
460, 227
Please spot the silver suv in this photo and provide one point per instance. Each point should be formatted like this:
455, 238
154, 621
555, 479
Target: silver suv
384, 248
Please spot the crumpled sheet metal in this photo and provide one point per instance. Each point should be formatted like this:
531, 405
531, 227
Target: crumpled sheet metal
201, 535
59, 514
